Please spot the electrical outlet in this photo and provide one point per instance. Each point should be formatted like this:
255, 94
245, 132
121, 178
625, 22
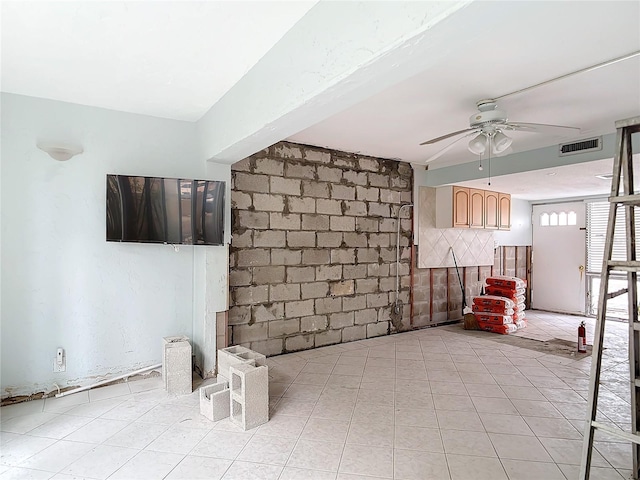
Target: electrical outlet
60, 362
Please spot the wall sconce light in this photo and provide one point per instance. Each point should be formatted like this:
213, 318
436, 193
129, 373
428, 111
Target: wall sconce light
60, 152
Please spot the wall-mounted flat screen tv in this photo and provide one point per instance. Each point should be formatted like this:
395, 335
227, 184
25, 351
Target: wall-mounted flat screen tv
165, 210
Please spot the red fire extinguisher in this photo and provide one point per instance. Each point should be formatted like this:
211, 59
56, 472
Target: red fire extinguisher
582, 338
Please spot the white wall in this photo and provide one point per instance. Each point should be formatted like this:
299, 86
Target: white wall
521, 233
107, 304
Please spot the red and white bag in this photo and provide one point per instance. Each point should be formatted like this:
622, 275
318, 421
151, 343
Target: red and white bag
506, 281
493, 300
494, 318
505, 329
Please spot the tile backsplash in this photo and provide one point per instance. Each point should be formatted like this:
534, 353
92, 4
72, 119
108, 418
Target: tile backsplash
472, 247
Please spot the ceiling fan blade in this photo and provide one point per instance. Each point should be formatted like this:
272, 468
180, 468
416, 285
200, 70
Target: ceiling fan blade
448, 147
448, 135
542, 127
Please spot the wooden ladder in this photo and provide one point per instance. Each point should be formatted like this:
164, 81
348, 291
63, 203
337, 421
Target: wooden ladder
622, 170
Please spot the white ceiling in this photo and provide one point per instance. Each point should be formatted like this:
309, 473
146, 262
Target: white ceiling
530, 43
171, 59
177, 59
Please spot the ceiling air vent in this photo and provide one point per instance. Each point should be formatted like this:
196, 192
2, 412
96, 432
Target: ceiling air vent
583, 146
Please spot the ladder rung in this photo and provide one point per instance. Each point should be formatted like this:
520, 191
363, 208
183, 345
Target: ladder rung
617, 293
636, 326
624, 265
626, 199
637, 382
631, 437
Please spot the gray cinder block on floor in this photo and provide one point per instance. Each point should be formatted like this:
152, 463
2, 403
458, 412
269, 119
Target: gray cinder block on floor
237, 355
249, 395
176, 365
214, 400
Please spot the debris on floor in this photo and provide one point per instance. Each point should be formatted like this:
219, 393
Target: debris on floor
502, 310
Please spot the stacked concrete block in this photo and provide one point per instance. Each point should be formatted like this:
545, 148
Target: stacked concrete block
314, 234
236, 355
176, 365
215, 400
249, 395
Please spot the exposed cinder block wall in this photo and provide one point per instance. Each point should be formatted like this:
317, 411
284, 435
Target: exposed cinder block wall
313, 253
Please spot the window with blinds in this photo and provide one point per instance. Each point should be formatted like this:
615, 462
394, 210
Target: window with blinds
597, 218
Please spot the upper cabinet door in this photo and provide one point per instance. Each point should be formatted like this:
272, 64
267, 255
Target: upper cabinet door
476, 208
492, 217
504, 204
460, 207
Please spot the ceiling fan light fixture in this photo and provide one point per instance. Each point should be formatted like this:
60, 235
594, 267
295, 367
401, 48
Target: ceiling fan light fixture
478, 144
501, 142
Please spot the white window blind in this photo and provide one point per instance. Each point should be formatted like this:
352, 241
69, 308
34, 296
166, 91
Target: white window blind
597, 218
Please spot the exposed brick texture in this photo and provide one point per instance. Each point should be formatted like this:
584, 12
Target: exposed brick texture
313, 248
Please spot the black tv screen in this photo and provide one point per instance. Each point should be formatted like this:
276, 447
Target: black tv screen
165, 210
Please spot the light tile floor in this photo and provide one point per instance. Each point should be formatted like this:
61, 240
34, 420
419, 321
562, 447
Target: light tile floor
439, 403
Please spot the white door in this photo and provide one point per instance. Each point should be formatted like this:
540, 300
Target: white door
559, 256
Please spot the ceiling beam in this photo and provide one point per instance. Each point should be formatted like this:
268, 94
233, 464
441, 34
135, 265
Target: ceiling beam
338, 54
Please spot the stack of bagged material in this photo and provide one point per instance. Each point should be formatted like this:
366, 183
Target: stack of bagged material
494, 313
512, 288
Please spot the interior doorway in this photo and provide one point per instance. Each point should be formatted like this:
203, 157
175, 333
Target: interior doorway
559, 257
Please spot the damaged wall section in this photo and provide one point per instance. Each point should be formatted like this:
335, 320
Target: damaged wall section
313, 253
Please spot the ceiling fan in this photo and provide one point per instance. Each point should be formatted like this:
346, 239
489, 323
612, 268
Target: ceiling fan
487, 127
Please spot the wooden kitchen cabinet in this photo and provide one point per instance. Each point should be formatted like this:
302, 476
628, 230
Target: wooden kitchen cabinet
462, 207
492, 217
504, 207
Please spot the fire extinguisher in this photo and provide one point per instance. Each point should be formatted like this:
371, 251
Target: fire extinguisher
582, 338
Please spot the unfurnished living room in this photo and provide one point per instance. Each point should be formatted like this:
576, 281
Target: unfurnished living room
323, 240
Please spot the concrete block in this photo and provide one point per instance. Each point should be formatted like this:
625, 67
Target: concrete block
378, 180
262, 275
377, 329
296, 170
340, 320
328, 338
280, 256
344, 161
340, 288
176, 365
315, 222
366, 285
249, 333
242, 240
329, 207
316, 156
367, 194
299, 309
301, 274
236, 355
315, 189
377, 270
354, 271
369, 164
328, 174
379, 240
328, 305
377, 299
214, 400
301, 239
273, 346
314, 323
240, 200
247, 182
330, 239
353, 239
249, 399
239, 315
253, 257
299, 342
379, 210
356, 208
250, 295
329, 272
357, 302
389, 196
268, 203
269, 166
268, 312
343, 192
357, 178
366, 224
280, 328
364, 317
284, 292
239, 278
315, 256
368, 255
342, 224
284, 150
350, 334
314, 290
280, 221
242, 166
288, 186
248, 219
302, 205
343, 255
